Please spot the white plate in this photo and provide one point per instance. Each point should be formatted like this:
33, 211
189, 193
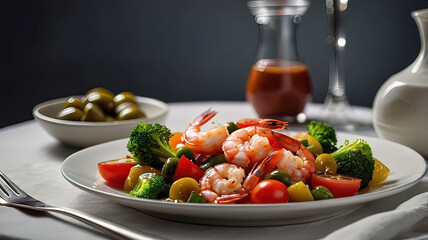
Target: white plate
407, 168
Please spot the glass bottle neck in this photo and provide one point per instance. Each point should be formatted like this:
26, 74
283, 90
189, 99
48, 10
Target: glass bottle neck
421, 18
277, 38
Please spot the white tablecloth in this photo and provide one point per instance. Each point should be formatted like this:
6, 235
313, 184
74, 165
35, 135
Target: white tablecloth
32, 158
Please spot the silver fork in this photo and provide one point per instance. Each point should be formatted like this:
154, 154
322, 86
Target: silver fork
11, 195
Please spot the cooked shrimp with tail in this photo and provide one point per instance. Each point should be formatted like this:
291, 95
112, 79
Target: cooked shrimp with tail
209, 142
300, 166
247, 146
226, 183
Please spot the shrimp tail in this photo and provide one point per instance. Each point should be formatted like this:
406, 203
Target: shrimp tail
306, 154
281, 140
261, 122
231, 198
262, 168
213, 197
209, 196
204, 117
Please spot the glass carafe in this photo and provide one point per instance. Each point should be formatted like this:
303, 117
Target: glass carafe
278, 84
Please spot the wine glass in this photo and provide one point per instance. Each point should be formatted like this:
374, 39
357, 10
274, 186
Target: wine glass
336, 109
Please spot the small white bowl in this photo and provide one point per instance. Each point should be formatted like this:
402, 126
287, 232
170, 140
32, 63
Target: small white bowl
84, 134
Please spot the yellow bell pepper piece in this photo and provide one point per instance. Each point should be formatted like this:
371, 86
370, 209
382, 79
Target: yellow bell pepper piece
299, 192
380, 172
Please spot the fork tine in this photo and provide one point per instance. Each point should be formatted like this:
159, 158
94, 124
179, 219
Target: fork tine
8, 188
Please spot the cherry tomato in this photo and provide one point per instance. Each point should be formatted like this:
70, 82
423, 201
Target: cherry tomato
269, 191
185, 168
176, 141
339, 185
116, 171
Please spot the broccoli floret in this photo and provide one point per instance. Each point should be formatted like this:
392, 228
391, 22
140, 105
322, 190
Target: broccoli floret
325, 134
151, 186
355, 159
149, 143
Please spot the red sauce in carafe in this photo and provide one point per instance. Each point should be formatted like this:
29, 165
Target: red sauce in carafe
278, 89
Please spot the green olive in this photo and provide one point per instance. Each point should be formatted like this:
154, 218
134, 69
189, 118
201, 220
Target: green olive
182, 188
100, 89
130, 112
279, 175
105, 101
325, 163
122, 106
232, 126
110, 118
93, 113
215, 160
169, 167
186, 151
123, 97
97, 90
134, 173
321, 193
70, 113
74, 102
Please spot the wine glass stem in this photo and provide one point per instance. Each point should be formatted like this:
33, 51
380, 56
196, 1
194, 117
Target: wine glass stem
337, 40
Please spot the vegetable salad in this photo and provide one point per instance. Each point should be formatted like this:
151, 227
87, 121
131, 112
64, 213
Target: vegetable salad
248, 161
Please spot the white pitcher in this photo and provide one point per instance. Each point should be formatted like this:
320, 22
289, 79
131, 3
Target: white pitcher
400, 108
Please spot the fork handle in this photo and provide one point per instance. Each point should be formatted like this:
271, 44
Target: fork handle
113, 229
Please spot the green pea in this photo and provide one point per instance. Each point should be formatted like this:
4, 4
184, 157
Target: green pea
186, 151
279, 175
169, 167
232, 126
321, 193
217, 159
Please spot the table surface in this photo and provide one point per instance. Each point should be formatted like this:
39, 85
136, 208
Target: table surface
36, 169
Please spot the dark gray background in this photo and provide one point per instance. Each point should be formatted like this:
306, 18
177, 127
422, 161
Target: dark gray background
181, 50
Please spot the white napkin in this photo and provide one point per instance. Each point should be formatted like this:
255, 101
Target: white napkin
386, 225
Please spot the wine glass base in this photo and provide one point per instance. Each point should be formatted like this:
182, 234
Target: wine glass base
341, 117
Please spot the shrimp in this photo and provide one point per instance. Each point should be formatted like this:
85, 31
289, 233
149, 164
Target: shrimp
244, 147
247, 146
224, 183
300, 167
205, 142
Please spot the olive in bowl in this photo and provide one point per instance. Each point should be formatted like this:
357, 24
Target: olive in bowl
85, 133
100, 104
